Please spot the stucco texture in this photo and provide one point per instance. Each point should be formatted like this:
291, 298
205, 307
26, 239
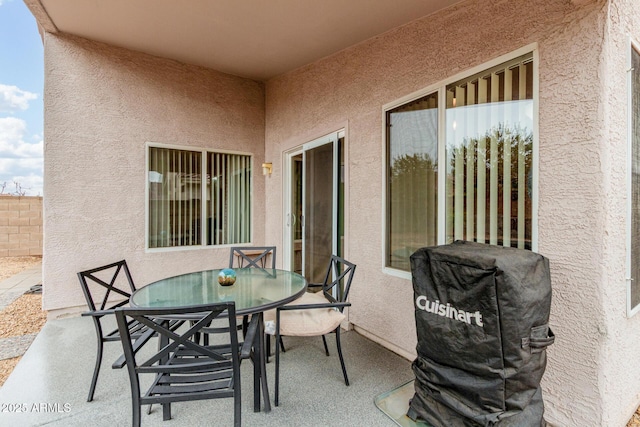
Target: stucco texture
620, 373
592, 378
102, 105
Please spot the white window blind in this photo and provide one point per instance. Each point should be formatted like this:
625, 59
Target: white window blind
175, 192
229, 210
174, 197
489, 141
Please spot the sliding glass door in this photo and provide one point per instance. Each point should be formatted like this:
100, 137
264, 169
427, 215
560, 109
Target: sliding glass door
314, 213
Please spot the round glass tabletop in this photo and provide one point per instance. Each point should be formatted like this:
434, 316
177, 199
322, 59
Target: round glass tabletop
254, 290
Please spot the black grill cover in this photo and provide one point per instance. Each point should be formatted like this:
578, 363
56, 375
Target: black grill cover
482, 314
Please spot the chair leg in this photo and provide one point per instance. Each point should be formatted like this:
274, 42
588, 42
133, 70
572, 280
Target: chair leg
196, 336
344, 369
268, 345
263, 367
326, 349
96, 369
268, 341
245, 324
137, 414
136, 408
237, 412
166, 411
255, 359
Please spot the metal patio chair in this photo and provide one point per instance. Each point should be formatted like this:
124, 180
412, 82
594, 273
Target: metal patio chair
100, 285
183, 369
317, 314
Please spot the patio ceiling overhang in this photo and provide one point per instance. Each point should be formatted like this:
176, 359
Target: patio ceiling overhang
257, 39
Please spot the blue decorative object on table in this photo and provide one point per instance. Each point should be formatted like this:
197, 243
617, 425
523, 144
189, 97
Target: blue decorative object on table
227, 277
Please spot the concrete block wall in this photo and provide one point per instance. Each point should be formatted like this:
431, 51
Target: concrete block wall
20, 226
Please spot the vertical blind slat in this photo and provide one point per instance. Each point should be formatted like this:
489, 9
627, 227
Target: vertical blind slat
165, 212
493, 172
233, 196
189, 218
223, 198
177, 200
506, 173
471, 150
153, 213
481, 189
459, 176
221, 220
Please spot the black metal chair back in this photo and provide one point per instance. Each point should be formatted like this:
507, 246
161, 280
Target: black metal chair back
183, 369
107, 280
337, 281
252, 256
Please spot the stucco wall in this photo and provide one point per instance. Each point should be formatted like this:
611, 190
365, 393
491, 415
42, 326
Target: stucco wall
102, 105
620, 374
591, 380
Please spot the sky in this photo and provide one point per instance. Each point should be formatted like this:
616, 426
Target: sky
21, 106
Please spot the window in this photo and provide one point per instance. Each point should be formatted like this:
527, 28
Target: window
483, 125
412, 179
176, 215
634, 249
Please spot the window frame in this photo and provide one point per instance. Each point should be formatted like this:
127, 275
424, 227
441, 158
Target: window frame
632, 45
440, 88
203, 206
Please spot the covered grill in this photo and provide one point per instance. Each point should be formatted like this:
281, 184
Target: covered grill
482, 315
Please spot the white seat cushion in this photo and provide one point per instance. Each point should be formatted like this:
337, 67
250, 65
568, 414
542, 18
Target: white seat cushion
307, 322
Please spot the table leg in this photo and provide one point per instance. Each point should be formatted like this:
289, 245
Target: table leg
163, 341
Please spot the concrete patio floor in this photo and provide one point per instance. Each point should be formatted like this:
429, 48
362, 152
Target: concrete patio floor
49, 386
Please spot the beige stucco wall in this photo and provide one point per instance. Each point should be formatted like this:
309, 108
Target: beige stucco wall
102, 105
619, 354
592, 378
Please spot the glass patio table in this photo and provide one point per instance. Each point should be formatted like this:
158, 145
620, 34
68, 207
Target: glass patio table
254, 291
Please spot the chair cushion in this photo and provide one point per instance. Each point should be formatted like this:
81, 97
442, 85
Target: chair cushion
307, 322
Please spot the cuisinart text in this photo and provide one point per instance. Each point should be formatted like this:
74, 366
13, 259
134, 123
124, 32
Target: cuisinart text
435, 307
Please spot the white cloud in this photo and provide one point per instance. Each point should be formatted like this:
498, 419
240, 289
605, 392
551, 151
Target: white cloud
13, 98
20, 161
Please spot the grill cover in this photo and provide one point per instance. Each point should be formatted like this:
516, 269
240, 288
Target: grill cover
482, 316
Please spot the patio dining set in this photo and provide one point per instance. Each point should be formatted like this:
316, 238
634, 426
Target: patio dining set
206, 323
